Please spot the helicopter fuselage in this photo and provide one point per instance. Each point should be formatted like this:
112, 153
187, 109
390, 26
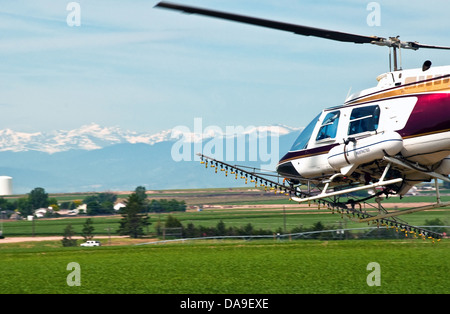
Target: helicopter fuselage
407, 114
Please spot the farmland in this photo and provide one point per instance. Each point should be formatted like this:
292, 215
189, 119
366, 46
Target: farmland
254, 267
235, 207
268, 266
260, 218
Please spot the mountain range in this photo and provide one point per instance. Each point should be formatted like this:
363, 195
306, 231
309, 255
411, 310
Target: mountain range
87, 137
98, 158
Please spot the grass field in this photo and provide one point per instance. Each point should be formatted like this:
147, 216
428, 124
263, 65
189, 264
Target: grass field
226, 266
256, 267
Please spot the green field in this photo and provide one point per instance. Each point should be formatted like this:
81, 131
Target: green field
268, 266
255, 267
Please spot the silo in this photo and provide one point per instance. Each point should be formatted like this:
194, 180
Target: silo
5, 185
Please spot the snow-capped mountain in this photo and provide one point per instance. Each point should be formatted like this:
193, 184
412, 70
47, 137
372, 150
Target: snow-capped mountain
97, 158
87, 137
94, 136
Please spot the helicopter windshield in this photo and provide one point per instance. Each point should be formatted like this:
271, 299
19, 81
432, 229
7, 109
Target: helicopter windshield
302, 140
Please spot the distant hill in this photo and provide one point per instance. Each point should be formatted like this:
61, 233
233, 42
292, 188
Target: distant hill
95, 158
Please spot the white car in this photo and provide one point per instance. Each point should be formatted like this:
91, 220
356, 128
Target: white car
91, 243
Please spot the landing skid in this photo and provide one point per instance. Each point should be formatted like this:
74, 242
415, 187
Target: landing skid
350, 208
406, 211
324, 194
438, 204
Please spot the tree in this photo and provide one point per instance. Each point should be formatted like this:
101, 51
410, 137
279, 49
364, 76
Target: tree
5, 205
87, 230
164, 205
24, 207
106, 197
247, 229
172, 227
54, 203
107, 207
38, 198
102, 203
173, 222
93, 208
191, 231
220, 228
68, 233
155, 206
133, 221
436, 223
141, 192
318, 226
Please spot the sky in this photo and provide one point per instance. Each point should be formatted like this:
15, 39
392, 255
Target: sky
133, 66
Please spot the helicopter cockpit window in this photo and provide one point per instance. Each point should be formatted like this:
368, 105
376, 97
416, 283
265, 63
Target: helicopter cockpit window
302, 140
364, 119
329, 126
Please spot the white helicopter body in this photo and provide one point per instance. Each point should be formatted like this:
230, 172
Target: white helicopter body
406, 115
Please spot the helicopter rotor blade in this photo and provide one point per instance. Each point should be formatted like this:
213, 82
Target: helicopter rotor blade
299, 29
416, 45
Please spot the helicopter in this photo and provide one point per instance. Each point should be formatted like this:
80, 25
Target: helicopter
385, 139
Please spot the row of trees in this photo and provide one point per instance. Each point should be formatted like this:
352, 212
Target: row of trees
103, 203
26, 205
98, 204
87, 233
133, 222
220, 229
163, 205
134, 219
157, 206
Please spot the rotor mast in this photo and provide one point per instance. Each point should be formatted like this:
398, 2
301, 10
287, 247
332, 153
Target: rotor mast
395, 58
396, 44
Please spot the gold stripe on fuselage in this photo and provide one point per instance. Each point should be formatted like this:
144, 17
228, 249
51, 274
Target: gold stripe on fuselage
429, 85
427, 133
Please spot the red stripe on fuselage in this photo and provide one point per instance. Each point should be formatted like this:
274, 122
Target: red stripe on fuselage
430, 115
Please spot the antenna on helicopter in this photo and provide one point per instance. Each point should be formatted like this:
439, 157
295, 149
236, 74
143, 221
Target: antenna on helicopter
392, 42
